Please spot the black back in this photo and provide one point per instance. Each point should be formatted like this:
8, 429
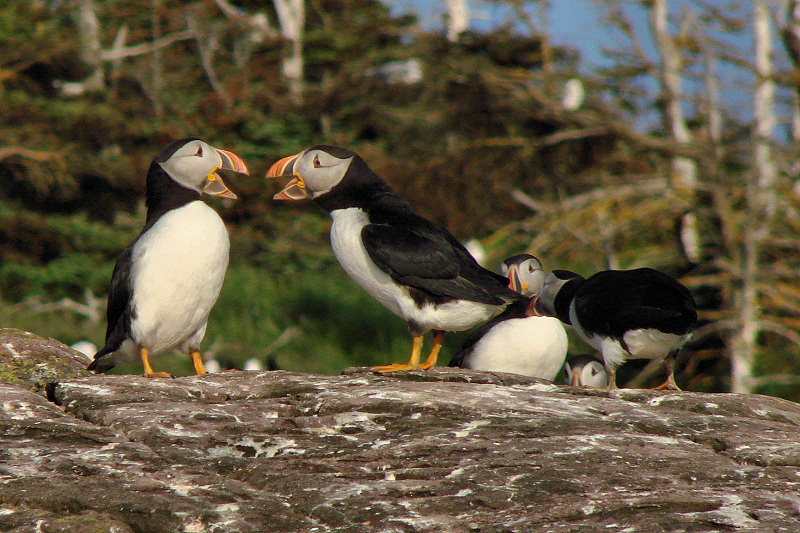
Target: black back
563, 299
615, 301
119, 313
411, 249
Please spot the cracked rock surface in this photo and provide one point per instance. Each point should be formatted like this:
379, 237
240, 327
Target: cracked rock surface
443, 450
31, 361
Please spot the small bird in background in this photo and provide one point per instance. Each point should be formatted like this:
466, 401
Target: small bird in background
583, 370
625, 314
415, 268
167, 280
513, 341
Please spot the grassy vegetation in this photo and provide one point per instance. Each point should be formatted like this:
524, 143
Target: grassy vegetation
321, 320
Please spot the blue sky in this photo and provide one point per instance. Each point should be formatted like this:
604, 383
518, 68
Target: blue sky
578, 24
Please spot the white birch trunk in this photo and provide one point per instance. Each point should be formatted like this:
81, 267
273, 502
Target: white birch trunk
683, 169
762, 203
89, 29
791, 38
457, 18
764, 104
292, 19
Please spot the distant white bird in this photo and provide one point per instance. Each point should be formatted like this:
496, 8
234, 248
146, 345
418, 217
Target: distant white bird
573, 95
253, 364
86, 348
405, 72
213, 366
476, 250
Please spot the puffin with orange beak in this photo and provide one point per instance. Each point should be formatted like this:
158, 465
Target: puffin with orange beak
415, 268
624, 314
167, 280
514, 342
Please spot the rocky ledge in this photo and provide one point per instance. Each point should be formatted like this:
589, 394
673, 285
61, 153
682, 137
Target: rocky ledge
444, 450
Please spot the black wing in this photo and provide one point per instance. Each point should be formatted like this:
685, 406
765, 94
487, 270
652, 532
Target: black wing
427, 258
461, 357
118, 309
613, 302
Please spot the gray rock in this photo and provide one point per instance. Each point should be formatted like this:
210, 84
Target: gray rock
31, 361
444, 450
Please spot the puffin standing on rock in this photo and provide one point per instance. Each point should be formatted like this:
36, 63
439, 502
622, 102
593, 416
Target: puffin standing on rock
167, 280
625, 314
413, 267
513, 341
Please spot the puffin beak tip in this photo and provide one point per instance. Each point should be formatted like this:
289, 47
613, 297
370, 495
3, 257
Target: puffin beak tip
282, 167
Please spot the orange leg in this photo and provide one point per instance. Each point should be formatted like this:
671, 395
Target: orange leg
669, 384
413, 363
197, 360
430, 362
144, 353
612, 378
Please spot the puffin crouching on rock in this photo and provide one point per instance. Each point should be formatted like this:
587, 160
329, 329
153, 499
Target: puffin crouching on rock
625, 314
167, 280
583, 370
513, 341
415, 268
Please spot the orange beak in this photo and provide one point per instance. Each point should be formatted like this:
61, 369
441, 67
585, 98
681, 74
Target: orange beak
228, 161
296, 188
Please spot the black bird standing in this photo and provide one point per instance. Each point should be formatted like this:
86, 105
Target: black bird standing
413, 267
167, 280
625, 314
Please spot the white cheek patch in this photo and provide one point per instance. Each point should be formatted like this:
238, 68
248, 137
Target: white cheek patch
190, 171
321, 180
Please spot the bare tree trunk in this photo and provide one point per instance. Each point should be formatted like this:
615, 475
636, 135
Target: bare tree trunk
457, 18
762, 204
292, 18
156, 60
764, 106
791, 41
89, 28
683, 169
712, 110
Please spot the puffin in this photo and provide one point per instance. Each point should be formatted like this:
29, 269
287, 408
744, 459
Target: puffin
513, 341
413, 267
166, 281
584, 370
624, 314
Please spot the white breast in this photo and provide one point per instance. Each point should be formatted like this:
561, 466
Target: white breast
349, 250
178, 268
642, 343
533, 346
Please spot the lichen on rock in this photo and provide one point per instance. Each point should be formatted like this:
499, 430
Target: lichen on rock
31, 361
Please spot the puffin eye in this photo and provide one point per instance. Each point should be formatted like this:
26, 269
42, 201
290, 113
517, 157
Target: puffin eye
199, 152
317, 164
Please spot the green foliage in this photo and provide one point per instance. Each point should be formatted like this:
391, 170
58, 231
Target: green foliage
483, 122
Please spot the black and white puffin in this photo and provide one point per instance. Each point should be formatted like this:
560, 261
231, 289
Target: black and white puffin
584, 370
167, 280
413, 267
625, 314
513, 341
